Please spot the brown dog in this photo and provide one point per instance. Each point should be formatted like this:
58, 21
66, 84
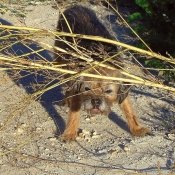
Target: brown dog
95, 95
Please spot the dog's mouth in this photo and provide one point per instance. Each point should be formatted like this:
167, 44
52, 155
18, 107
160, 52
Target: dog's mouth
95, 110
97, 106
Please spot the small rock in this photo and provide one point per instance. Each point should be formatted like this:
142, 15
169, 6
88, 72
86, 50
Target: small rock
80, 134
87, 138
95, 136
171, 136
85, 131
92, 118
94, 133
52, 138
1, 124
25, 155
113, 152
20, 130
132, 141
126, 149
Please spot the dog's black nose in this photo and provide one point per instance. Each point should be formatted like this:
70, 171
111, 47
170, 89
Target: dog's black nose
96, 102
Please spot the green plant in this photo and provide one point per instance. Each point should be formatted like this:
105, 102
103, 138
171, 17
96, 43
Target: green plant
169, 122
156, 27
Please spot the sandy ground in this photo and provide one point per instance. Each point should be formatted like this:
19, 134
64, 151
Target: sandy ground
28, 144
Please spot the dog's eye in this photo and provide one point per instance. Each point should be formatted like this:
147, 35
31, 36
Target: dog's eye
87, 89
108, 91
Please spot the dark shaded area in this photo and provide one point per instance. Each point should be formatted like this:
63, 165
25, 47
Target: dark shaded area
154, 96
165, 114
36, 77
120, 30
118, 121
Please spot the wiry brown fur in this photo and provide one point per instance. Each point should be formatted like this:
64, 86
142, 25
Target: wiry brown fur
95, 95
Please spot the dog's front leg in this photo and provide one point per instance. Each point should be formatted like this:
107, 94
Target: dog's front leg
132, 120
73, 120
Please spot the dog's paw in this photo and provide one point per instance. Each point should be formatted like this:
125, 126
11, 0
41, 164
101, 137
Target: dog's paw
141, 132
68, 137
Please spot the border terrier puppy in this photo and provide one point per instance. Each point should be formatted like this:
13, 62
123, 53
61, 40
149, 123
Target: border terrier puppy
95, 95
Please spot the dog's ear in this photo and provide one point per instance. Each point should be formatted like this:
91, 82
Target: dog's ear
123, 92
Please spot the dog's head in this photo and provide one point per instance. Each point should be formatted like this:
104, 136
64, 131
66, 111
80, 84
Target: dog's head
98, 96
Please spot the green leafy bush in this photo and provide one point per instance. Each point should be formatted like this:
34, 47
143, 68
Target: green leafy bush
157, 28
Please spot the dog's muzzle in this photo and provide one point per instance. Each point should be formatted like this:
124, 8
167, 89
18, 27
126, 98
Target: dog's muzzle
96, 105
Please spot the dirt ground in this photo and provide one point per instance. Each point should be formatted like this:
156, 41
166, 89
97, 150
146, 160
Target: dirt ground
28, 144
